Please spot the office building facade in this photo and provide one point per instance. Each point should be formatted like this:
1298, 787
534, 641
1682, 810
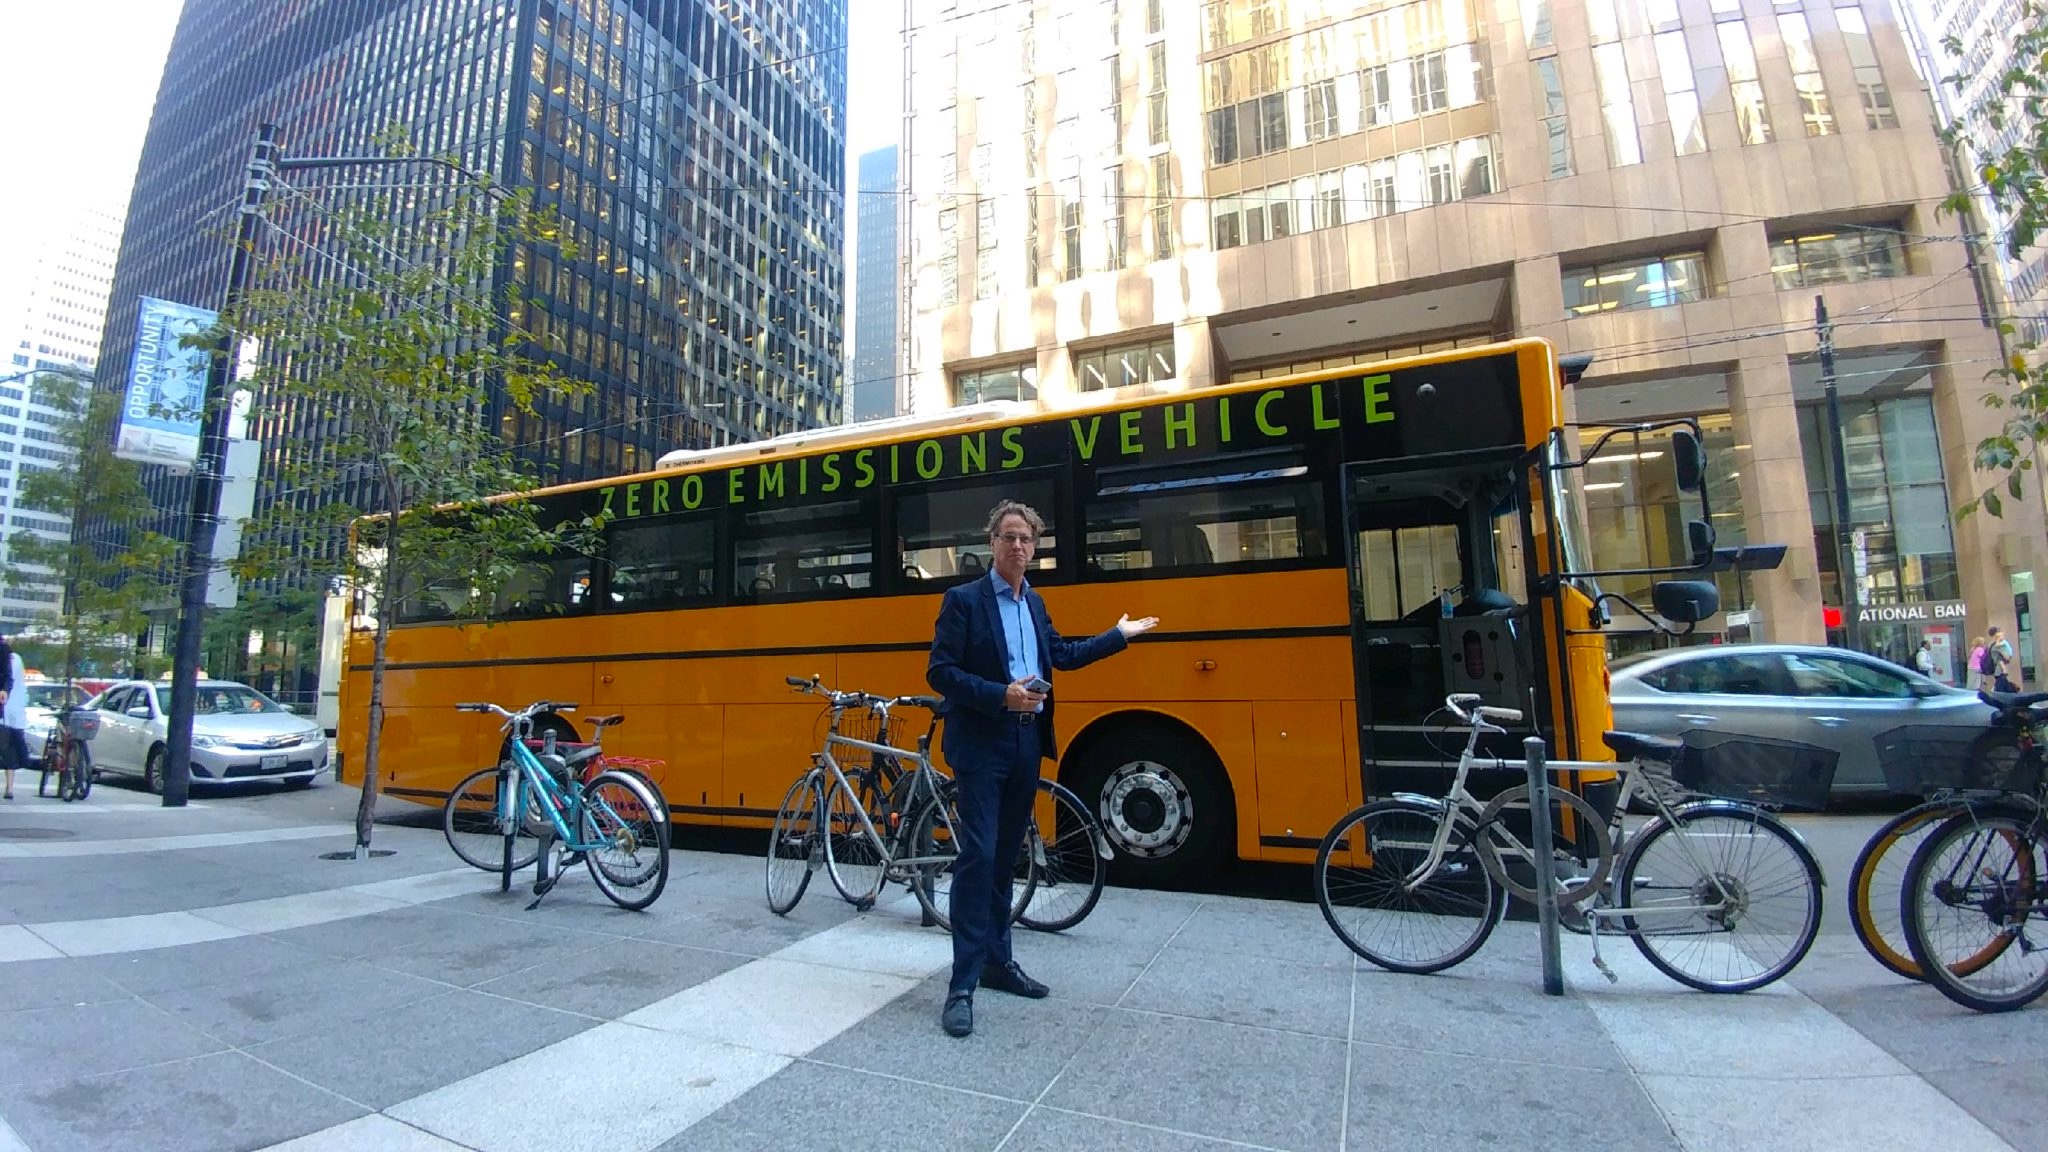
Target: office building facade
694, 151
56, 295
877, 377
1234, 189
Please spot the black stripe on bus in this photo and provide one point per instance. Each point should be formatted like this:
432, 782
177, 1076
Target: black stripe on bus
1290, 841
692, 809
1317, 630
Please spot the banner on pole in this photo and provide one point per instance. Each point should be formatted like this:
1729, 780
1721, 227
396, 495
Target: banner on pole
160, 416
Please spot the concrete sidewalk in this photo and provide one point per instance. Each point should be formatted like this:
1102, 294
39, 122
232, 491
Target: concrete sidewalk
224, 988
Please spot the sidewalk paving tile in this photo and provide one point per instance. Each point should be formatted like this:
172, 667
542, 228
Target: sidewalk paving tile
376, 934
445, 1038
236, 960
372, 1133
1278, 1089
652, 1085
613, 978
1928, 1032
89, 1039
866, 1115
1264, 992
128, 933
1455, 1013
1407, 1101
18, 943
773, 1005
1018, 1045
2005, 1097
1093, 971
1262, 929
1832, 1115
479, 948
225, 1100
1052, 1130
751, 929
54, 983
295, 1002
299, 911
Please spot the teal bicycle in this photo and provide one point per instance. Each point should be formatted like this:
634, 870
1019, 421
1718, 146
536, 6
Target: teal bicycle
616, 823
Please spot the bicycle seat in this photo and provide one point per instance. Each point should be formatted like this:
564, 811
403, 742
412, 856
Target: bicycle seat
606, 721
1636, 746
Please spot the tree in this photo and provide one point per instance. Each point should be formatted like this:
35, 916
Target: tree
380, 321
2011, 115
111, 571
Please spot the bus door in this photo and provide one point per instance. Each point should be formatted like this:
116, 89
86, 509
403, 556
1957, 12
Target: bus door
1435, 560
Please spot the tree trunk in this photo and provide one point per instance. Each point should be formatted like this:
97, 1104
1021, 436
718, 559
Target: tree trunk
366, 809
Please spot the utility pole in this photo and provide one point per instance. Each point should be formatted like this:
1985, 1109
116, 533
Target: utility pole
1845, 561
202, 517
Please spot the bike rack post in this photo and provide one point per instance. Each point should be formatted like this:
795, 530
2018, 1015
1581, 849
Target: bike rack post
1545, 873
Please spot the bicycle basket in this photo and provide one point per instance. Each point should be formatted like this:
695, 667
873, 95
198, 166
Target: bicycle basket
1923, 758
1776, 773
83, 723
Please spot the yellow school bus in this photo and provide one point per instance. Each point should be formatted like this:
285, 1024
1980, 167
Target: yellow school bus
1329, 555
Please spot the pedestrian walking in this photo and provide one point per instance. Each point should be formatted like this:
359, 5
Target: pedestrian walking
1998, 653
1923, 658
994, 651
13, 714
1979, 675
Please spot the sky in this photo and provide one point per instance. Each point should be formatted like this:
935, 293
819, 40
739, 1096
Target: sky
874, 77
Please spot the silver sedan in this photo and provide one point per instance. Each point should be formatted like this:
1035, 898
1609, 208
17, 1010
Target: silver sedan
1879, 727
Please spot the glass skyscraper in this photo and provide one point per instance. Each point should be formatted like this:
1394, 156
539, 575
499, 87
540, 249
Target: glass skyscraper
877, 289
694, 150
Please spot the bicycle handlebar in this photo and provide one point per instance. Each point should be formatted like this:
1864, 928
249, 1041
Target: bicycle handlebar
1465, 706
526, 713
861, 699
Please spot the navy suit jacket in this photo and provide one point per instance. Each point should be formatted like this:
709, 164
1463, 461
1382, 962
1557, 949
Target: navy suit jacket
970, 668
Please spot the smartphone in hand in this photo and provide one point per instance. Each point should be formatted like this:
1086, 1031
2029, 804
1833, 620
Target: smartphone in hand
1038, 684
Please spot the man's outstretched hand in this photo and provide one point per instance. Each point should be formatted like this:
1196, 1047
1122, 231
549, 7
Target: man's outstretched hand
1138, 627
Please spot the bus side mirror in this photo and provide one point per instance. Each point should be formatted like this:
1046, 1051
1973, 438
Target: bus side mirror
1685, 601
1699, 538
1689, 459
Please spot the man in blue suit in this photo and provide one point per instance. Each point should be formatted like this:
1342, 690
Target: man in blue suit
993, 641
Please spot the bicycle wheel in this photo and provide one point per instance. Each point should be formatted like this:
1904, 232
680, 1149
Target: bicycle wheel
794, 847
1877, 879
622, 826
470, 821
53, 765
1675, 873
1363, 884
1969, 893
1515, 804
931, 836
81, 772
1068, 867
854, 858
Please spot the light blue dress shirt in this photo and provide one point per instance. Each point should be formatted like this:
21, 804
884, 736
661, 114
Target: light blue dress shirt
1020, 634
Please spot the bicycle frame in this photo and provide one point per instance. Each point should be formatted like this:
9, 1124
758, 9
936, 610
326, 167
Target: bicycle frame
923, 780
556, 802
1457, 801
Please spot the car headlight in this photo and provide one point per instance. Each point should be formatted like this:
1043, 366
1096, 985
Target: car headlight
206, 741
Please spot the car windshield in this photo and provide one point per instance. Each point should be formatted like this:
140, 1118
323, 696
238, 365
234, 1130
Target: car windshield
53, 695
231, 700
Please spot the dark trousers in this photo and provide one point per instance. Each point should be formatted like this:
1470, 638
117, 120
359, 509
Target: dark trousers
996, 793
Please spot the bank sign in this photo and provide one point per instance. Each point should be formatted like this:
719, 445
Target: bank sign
161, 412
1924, 612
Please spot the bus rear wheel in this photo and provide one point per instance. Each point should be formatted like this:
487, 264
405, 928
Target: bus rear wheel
1162, 801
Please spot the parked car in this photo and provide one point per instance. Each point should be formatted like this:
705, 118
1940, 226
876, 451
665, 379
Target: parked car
44, 698
238, 733
1863, 713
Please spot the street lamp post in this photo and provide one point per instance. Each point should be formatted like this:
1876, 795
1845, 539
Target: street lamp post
1844, 534
201, 518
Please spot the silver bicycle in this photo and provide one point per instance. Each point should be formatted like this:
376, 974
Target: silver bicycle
1717, 893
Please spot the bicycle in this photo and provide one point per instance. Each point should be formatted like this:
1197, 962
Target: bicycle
67, 753
1980, 777
469, 817
857, 787
1977, 878
1427, 863
616, 823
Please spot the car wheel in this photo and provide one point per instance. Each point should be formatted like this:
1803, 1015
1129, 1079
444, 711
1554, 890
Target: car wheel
153, 771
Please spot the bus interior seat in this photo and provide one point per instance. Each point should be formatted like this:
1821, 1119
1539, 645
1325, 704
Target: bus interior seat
763, 584
835, 580
970, 564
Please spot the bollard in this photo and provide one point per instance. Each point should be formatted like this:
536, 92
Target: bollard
1545, 869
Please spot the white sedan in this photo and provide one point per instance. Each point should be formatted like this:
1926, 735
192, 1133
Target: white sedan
238, 733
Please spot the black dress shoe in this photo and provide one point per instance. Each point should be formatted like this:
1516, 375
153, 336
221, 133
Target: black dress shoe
1010, 978
958, 1017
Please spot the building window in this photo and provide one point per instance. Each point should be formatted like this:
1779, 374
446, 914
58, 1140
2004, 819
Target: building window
1224, 230
1319, 109
1657, 282
1155, 17
1681, 100
1739, 57
1837, 257
1031, 240
1376, 88
1898, 500
1155, 93
1437, 170
1555, 127
1116, 103
1150, 362
1223, 147
984, 249
949, 257
1162, 208
1870, 86
1813, 94
1011, 382
1536, 27
1113, 215
1428, 83
1070, 231
1617, 106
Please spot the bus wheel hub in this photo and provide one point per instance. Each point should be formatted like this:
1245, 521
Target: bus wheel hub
1147, 808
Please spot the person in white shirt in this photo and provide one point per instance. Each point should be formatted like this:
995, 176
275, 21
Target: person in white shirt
1924, 658
13, 715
